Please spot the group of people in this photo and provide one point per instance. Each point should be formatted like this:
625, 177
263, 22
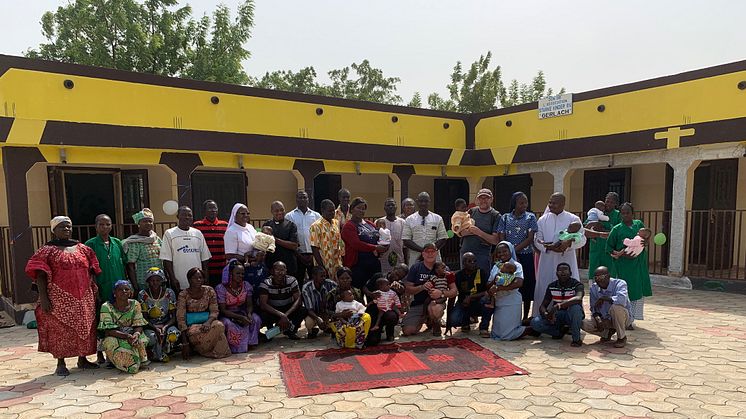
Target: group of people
216, 288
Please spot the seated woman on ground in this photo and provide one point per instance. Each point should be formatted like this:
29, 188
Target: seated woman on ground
196, 315
159, 309
237, 309
122, 321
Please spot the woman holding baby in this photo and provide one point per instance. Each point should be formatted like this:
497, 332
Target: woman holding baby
632, 269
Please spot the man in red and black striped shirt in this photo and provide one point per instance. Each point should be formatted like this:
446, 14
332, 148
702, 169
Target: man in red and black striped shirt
213, 229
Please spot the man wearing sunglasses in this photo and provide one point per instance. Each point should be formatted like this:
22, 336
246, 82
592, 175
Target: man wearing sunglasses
423, 227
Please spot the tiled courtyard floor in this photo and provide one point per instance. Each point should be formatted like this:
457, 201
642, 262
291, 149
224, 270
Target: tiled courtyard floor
687, 360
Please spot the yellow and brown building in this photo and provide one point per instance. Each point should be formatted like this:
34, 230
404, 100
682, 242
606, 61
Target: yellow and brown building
81, 140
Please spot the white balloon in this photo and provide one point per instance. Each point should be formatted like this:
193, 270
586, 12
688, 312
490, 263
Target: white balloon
170, 207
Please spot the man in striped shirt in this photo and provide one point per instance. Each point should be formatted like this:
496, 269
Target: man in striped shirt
314, 294
280, 301
213, 229
562, 308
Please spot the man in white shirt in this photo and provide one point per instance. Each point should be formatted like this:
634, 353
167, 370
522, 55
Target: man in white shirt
303, 217
395, 255
184, 247
423, 227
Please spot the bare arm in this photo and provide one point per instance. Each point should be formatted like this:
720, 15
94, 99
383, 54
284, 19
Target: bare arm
168, 266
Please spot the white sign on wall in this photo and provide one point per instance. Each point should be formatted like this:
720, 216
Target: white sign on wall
552, 106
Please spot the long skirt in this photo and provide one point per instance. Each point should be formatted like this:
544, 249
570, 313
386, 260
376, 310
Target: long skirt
529, 276
163, 348
210, 344
126, 357
351, 333
506, 320
638, 307
241, 337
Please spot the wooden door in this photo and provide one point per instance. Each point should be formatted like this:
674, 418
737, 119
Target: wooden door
446, 192
598, 183
504, 187
715, 189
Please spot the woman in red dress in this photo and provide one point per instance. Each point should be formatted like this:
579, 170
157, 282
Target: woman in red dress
64, 271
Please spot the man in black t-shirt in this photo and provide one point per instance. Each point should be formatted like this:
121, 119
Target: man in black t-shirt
562, 308
471, 288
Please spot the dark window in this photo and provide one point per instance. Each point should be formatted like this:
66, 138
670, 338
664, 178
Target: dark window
225, 188
447, 191
598, 183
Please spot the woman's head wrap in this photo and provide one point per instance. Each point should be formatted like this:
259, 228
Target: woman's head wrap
145, 213
58, 220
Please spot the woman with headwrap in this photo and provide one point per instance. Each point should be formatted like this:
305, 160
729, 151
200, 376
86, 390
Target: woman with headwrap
239, 238
159, 309
237, 309
503, 287
518, 226
143, 249
64, 271
122, 321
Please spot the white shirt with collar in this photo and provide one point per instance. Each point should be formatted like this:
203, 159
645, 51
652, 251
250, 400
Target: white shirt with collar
423, 230
303, 224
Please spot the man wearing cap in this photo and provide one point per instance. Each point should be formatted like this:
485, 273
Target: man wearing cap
143, 250
479, 238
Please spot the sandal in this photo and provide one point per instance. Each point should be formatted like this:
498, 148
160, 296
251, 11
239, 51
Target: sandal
484, 333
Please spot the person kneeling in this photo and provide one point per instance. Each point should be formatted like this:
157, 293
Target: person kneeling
612, 311
562, 308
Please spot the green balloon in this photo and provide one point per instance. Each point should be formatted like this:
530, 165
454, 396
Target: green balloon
450, 233
659, 239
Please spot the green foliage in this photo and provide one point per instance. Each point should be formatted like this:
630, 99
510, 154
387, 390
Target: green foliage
481, 89
416, 101
151, 36
357, 81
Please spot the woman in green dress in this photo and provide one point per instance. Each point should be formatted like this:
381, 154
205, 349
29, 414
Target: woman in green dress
122, 322
633, 270
597, 233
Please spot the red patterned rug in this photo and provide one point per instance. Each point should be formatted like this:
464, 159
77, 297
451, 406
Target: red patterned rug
307, 373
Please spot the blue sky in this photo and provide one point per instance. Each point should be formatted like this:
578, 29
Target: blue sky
580, 45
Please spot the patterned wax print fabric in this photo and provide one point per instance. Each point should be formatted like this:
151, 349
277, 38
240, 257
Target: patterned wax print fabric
124, 355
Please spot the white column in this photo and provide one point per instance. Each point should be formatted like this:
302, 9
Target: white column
683, 175
475, 184
397, 195
562, 175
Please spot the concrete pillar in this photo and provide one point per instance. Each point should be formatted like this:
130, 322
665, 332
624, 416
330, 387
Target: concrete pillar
183, 164
475, 184
308, 170
17, 161
562, 175
683, 188
401, 175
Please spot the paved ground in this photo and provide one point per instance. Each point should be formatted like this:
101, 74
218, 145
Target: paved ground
687, 360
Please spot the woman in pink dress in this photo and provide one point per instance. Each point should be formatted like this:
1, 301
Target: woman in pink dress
237, 310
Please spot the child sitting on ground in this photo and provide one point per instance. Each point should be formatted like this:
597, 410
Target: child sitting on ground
635, 245
349, 303
597, 213
384, 234
460, 220
572, 233
264, 240
387, 301
504, 274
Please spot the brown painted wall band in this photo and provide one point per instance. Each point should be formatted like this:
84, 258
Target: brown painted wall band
183, 164
98, 135
5, 124
309, 169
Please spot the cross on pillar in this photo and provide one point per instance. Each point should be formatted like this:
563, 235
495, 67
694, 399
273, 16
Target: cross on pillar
673, 135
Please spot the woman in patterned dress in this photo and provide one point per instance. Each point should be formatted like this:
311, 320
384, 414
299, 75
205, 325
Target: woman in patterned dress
64, 272
347, 334
237, 309
122, 321
159, 309
518, 227
204, 333
143, 250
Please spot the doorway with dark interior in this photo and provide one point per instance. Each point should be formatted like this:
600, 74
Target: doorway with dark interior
446, 192
503, 188
598, 183
225, 188
712, 223
326, 186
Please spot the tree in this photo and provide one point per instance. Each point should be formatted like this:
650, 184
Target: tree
304, 81
481, 89
356, 81
416, 101
218, 57
151, 36
370, 84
